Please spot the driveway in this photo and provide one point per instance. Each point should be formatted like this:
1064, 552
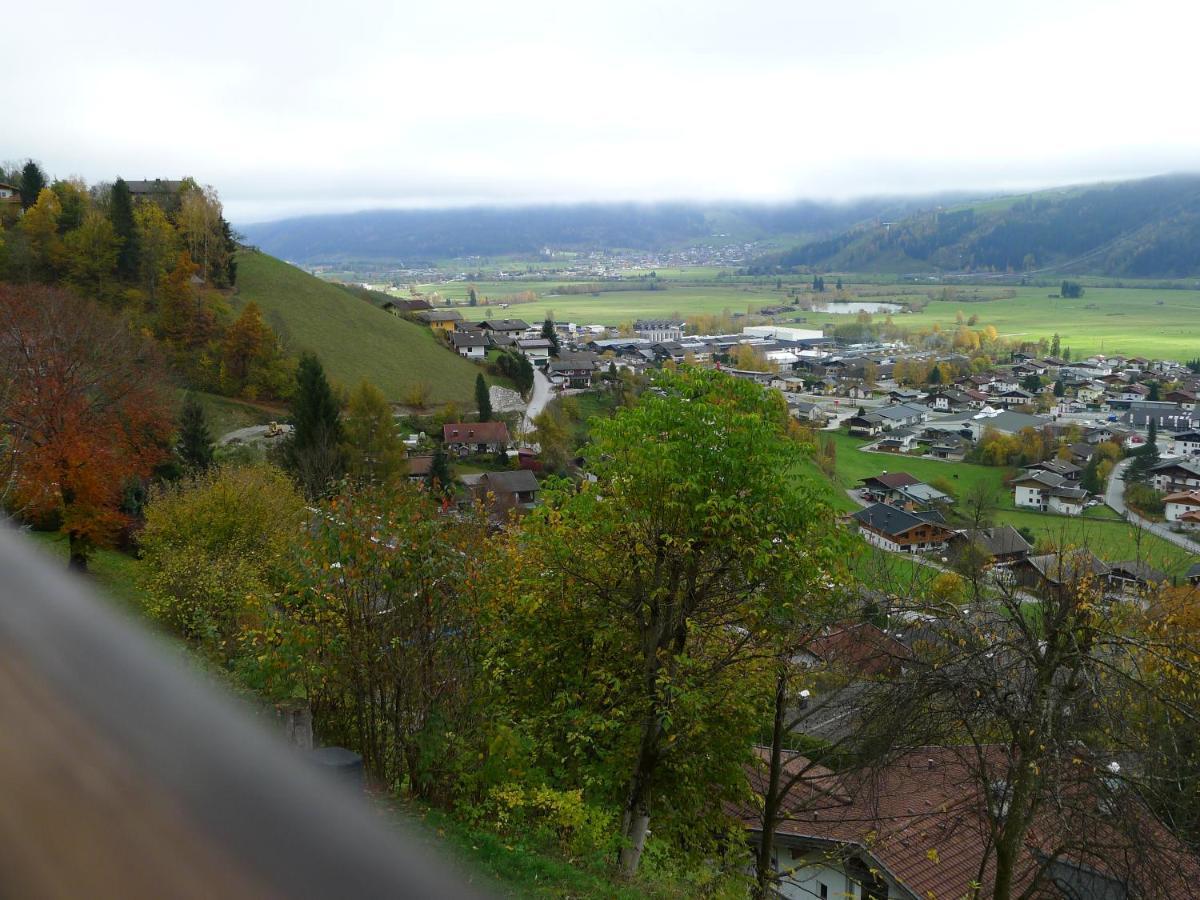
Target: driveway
1114, 498
537, 401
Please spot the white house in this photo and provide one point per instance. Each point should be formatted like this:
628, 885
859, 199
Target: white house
470, 344
536, 350
1187, 443
1176, 506
1048, 492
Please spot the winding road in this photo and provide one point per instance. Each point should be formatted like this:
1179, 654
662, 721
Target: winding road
538, 401
1114, 498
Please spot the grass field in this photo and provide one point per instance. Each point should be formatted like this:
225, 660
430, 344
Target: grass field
1109, 537
111, 571
353, 338
1138, 321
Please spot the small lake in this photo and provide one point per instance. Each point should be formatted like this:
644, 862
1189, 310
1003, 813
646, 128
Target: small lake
854, 307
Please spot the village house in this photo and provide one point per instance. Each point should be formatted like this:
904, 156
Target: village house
504, 492
1053, 574
573, 370
470, 344
1048, 492
464, 438
536, 350
900, 440
1133, 577
885, 487
997, 546
1185, 399
1173, 475
419, 467
951, 399
914, 829
439, 319
514, 329
9, 193
400, 307
902, 415
1182, 507
865, 425
1069, 471
900, 531
1187, 443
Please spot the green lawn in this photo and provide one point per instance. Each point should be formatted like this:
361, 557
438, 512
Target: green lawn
1109, 537
353, 338
111, 571
226, 414
1128, 320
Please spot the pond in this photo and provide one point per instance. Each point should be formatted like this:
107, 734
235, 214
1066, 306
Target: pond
854, 307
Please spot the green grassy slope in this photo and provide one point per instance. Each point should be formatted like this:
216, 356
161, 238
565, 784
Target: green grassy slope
353, 338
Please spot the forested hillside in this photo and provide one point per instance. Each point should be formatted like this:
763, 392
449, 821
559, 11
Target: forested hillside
422, 235
1148, 228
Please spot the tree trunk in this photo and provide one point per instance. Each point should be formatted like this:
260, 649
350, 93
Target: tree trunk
764, 871
635, 820
78, 560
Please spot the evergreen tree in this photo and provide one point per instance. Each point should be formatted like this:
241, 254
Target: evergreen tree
935, 374
549, 334
1090, 479
314, 450
440, 479
839, 284
472, 296
1155, 392
1060, 389
1067, 354
120, 213
1056, 344
33, 179
483, 399
195, 445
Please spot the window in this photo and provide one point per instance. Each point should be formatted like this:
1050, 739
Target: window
823, 889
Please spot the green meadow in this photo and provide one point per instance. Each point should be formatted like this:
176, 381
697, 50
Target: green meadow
1133, 321
1109, 537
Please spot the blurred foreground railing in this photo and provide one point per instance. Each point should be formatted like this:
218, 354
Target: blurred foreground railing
122, 775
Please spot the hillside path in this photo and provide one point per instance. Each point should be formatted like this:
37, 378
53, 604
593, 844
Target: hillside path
538, 401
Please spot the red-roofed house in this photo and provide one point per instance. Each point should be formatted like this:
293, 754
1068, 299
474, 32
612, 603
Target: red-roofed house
475, 437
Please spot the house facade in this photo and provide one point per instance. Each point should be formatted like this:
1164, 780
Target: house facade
463, 438
900, 531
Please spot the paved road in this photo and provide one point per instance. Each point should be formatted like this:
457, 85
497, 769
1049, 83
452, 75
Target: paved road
537, 402
1115, 499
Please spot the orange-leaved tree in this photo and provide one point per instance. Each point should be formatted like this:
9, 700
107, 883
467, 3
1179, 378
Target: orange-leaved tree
82, 412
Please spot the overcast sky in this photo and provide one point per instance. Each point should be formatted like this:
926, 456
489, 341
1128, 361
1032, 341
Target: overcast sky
298, 107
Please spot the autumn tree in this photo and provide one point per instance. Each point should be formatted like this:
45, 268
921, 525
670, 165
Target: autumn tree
668, 564
1035, 687
158, 247
92, 251
252, 363
39, 225
379, 569
85, 415
211, 543
374, 451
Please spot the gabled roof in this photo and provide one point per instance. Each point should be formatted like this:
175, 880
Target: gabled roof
1069, 566
1002, 540
892, 479
505, 324
469, 339
439, 315
475, 433
893, 521
1139, 571
512, 482
1192, 468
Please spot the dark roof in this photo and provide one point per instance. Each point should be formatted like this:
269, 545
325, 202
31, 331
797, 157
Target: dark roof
1072, 565
1139, 571
999, 541
1194, 570
510, 482
1189, 466
893, 479
469, 339
420, 465
893, 520
439, 315
156, 186
504, 324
